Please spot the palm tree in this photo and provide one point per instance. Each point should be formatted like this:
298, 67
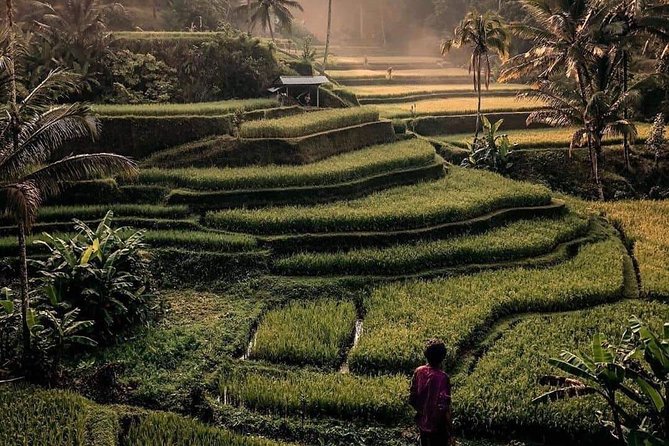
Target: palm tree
31, 131
327, 38
575, 68
628, 24
486, 35
262, 11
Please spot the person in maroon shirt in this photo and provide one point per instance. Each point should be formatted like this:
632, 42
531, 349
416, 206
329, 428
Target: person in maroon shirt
431, 397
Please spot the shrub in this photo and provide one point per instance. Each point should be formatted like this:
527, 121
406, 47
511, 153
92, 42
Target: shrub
382, 399
132, 78
347, 167
461, 195
102, 273
400, 318
315, 122
496, 397
521, 239
314, 333
211, 66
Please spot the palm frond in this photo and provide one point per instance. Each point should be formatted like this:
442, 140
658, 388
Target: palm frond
50, 179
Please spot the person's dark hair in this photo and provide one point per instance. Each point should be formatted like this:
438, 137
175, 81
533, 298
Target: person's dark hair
435, 352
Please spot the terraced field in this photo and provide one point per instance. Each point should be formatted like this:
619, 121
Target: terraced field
543, 138
331, 249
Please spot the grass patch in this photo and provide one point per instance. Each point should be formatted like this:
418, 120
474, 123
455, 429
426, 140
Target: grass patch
36, 417
461, 195
339, 169
496, 398
542, 138
199, 332
457, 106
315, 122
400, 318
516, 240
645, 223
315, 333
198, 109
382, 399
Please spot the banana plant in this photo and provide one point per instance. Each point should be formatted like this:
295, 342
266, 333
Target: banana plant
637, 369
490, 151
648, 367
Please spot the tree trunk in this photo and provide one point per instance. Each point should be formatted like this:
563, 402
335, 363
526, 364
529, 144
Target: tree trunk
248, 15
626, 143
362, 23
25, 303
478, 107
616, 420
327, 38
383, 24
269, 23
596, 144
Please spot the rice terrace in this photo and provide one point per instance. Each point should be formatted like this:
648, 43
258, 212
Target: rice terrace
334, 223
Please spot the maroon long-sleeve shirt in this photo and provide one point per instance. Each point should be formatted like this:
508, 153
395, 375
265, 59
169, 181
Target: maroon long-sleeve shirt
431, 397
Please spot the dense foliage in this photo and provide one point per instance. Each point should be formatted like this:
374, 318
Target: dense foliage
102, 274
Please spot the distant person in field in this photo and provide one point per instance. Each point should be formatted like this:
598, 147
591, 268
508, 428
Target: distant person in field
431, 397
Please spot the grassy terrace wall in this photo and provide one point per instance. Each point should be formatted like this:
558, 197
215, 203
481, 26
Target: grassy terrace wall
230, 152
153, 128
455, 198
522, 239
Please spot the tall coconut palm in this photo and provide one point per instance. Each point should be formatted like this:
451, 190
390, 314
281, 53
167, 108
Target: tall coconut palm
486, 35
630, 24
262, 11
576, 71
327, 38
31, 131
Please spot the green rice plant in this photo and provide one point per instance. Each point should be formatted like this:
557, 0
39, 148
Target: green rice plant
463, 194
198, 240
400, 318
303, 125
517, 240
456, 106
315, 333
543, 138
496, 398
397, 74
193, 240
350, 166
92, 212
645, 223
382, 398
219, 108
159, 428
36, 417
399, 91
